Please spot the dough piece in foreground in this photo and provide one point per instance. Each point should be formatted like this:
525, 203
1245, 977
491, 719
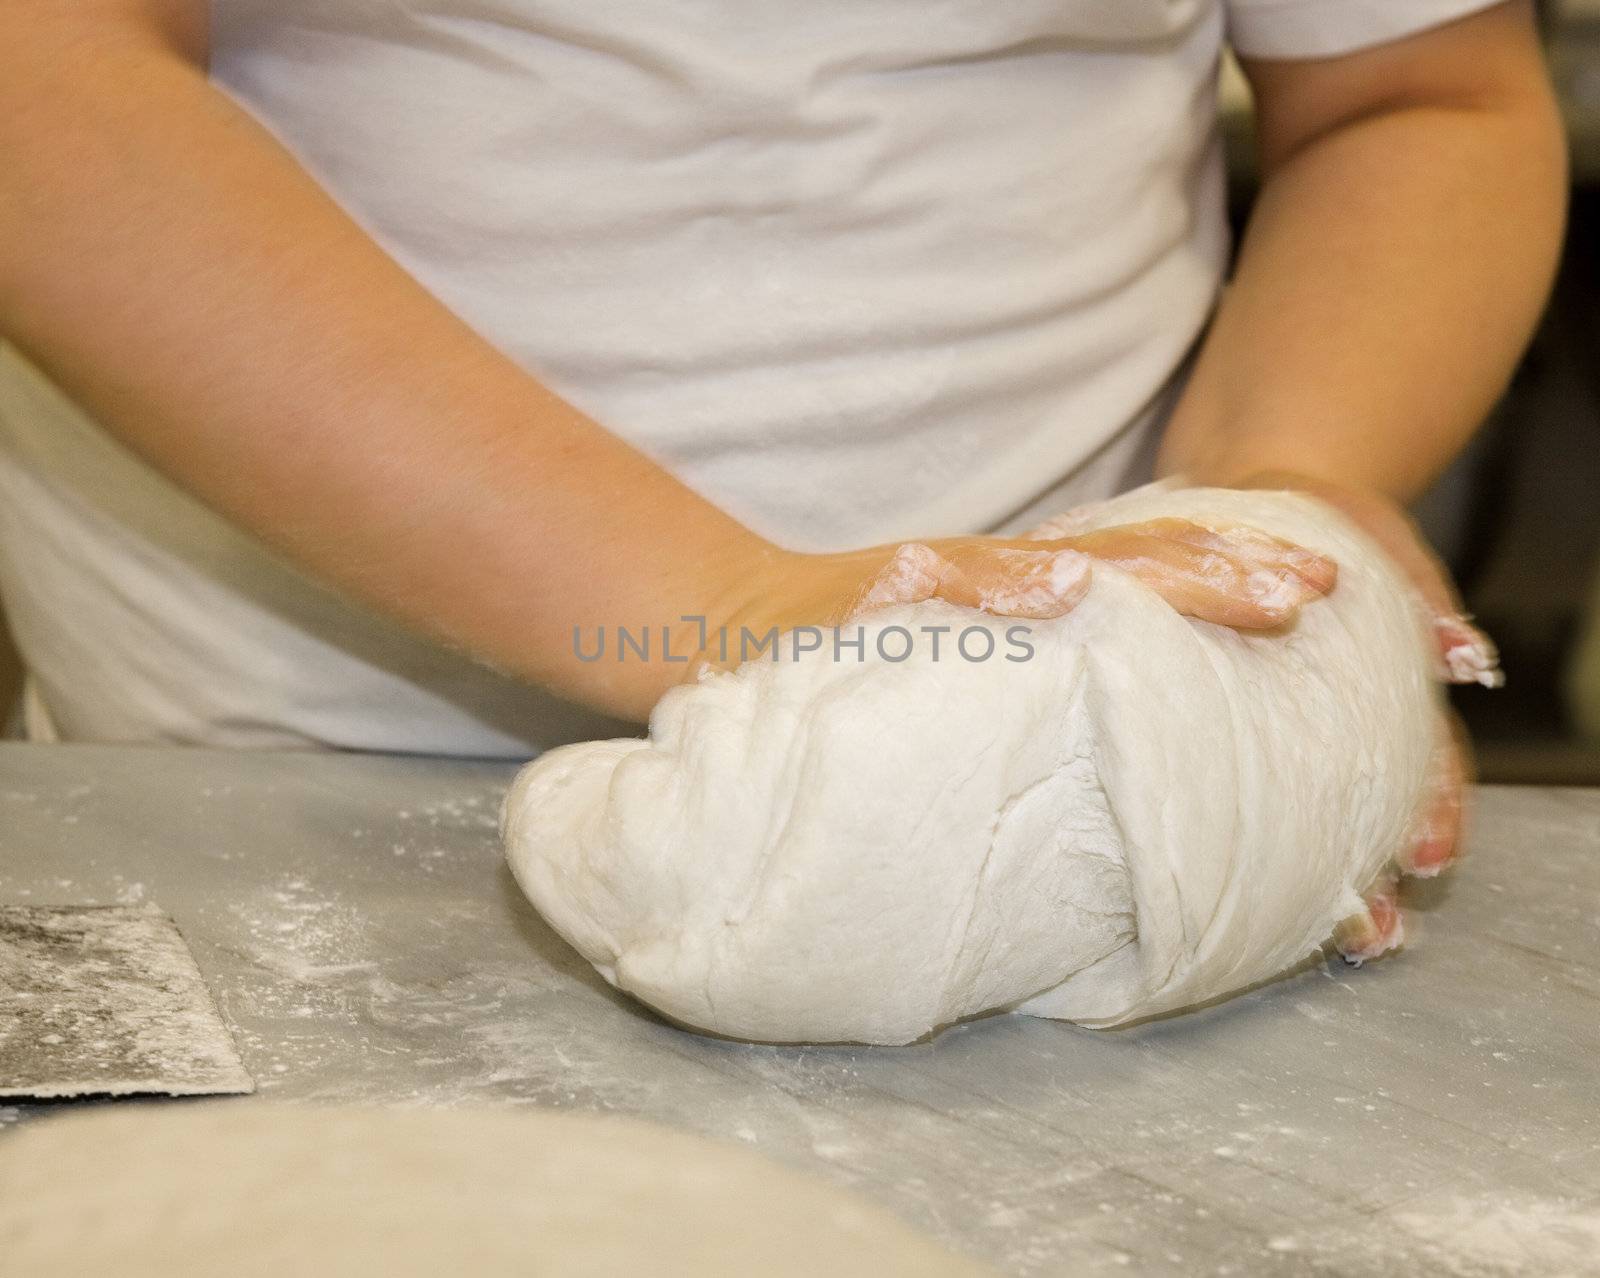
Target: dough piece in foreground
1148, 813
265, 1191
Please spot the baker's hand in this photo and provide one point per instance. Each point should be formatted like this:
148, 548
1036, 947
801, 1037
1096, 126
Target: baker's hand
1236, 577
1465, 655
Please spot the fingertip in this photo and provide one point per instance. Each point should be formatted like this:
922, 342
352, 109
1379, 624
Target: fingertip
1436, 839
1318, 573
1430, 854
1277, 596
1420, 869
1378, 929
1384, 909
1466, 653
1366, 939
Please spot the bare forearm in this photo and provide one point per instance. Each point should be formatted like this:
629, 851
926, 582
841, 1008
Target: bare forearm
179, 273
1389, 279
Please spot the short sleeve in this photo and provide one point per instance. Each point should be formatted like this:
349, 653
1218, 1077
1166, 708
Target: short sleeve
1327, 28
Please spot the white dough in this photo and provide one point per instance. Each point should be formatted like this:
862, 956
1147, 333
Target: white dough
1149, 813
272, 1191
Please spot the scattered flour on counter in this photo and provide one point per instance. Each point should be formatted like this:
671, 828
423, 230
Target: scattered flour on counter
305, 935
305, 944
467, 812
1511, 1235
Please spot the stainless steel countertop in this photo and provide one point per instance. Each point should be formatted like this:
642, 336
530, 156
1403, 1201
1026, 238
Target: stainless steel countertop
1435, 1113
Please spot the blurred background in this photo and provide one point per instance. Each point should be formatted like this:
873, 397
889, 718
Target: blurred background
1518, 517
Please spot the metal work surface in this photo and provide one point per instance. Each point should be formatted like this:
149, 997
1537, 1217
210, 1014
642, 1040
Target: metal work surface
1439, 1112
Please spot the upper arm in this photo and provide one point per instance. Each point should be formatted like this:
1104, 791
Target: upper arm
1489, 60
182, 26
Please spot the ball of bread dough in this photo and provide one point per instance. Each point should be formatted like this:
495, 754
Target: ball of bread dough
1146, 813
268, 1191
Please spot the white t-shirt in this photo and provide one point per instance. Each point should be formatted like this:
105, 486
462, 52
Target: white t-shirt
856, 270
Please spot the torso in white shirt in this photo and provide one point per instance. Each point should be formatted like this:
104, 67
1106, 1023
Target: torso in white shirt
856, 270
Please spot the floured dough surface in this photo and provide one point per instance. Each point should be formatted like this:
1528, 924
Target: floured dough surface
271, 1191
1148, 813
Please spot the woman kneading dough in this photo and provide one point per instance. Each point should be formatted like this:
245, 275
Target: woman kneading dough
366, 363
